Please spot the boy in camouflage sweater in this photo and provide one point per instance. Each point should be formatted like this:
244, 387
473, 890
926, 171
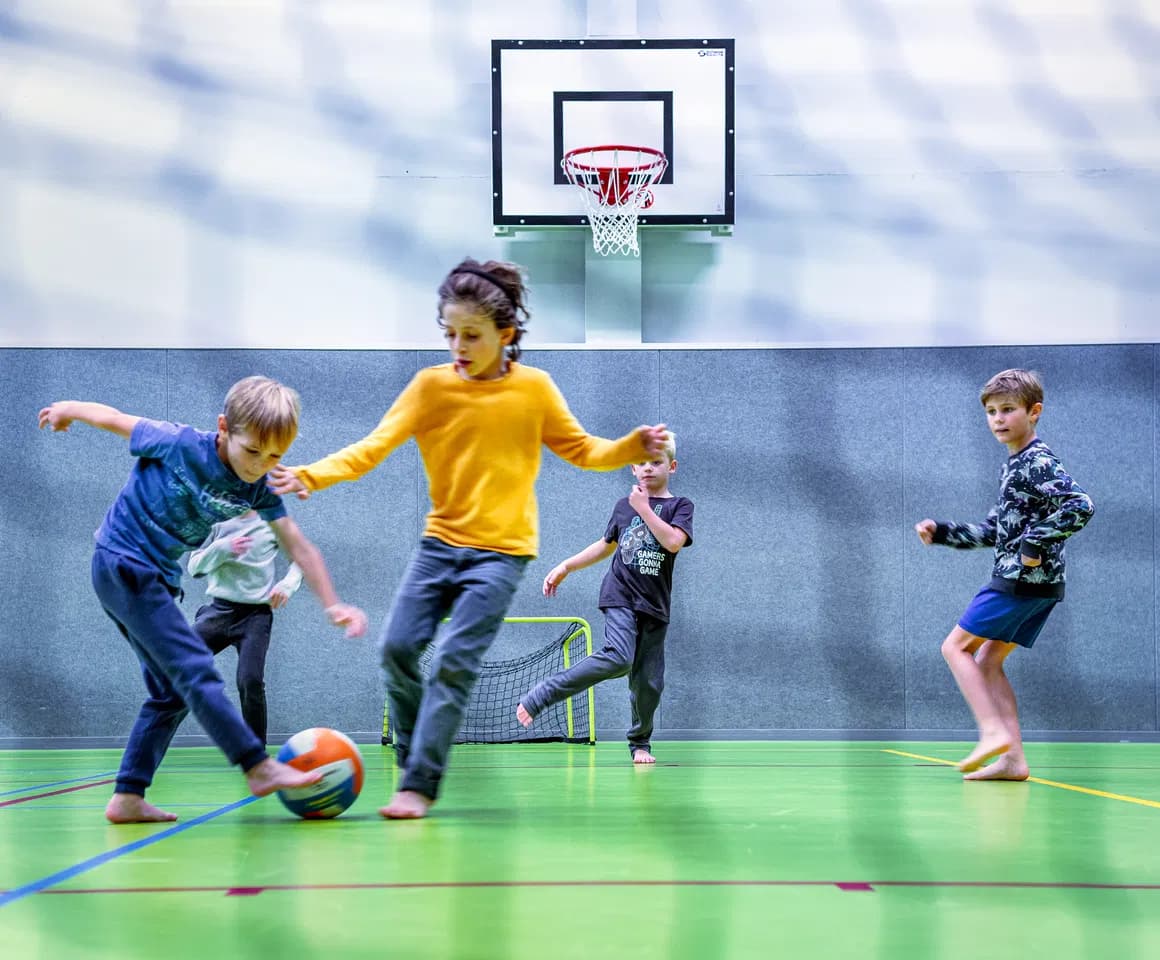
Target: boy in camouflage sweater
1039, 507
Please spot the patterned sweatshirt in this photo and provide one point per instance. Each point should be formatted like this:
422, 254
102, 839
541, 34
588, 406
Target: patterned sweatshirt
1039, 507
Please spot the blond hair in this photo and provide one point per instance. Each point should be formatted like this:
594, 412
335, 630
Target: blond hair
269, 408
1024, 385
670, 447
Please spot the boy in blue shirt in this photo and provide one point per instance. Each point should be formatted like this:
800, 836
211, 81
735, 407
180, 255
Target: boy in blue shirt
238, 559
644, 534
1039, 507
183, 482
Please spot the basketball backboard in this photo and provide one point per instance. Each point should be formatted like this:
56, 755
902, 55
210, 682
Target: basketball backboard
552, 96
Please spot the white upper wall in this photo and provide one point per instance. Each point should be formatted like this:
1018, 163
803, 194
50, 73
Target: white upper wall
266, 173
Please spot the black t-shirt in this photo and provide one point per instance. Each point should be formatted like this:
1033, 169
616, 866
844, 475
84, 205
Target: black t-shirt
641, 574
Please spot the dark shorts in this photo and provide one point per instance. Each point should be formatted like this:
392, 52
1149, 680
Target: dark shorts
1006, 617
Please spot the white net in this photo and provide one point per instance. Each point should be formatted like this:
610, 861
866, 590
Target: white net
615, 182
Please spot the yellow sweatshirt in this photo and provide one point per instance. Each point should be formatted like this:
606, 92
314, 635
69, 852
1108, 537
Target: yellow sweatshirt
480, 441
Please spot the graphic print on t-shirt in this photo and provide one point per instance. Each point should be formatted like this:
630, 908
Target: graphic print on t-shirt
639, 549
194, 505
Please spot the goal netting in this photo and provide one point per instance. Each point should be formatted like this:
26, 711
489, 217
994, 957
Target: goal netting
491, 711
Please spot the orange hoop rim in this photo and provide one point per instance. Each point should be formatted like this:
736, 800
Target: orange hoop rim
568, 160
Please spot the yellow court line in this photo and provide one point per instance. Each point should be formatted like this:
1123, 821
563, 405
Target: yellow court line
1046, 783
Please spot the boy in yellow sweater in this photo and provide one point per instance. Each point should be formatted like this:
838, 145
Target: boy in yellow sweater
480, 422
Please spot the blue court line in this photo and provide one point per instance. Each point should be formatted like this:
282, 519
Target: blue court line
58, 783
36, 886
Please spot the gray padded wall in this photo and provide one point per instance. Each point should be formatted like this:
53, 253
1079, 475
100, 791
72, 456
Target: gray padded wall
64, 669
807, 606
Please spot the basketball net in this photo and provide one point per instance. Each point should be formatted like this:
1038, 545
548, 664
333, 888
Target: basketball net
615, 182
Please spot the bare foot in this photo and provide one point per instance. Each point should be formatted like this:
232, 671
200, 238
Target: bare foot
523, 716
271, 775
1005, 768
407, 805
989, 745
131, 808
640, 755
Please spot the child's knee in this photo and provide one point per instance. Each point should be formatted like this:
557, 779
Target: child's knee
456, 676
958, 642
395, 650
172, 705
618, 662
991, 659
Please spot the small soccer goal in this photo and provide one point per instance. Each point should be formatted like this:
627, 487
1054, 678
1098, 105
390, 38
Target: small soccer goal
491, 712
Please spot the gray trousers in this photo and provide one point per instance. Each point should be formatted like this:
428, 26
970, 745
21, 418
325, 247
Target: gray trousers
634, 643
475, 587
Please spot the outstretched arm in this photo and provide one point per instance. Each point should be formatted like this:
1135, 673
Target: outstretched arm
565, 437
60, 415
309, 559
961, 536
926, 530
349, 463
594, 553
398, 425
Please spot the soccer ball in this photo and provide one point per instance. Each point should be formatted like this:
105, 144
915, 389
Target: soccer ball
336, 755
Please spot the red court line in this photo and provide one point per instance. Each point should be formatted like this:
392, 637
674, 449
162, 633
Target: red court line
858, 886
53, 793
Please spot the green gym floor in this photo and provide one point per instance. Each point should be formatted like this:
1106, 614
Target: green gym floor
763, 850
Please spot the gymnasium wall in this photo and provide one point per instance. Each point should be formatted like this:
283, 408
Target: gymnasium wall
192, 191
807, 605
280, 174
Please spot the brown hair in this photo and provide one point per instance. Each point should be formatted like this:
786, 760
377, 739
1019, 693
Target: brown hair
265, 406
1024, 385
496, 287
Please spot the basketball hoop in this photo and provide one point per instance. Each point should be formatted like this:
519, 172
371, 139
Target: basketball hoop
615, 182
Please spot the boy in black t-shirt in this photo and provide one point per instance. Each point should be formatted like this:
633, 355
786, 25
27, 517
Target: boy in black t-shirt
646, 530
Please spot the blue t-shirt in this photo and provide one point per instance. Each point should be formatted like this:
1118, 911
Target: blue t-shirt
178, 489
640, 576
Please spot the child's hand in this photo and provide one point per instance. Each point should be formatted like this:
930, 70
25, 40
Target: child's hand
282, 481
638, 498
240, 545
55, 416
653, 439
554, 578
926, 530
344, 615
277, 598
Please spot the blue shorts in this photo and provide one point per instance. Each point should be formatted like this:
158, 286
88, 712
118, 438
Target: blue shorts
1006, 617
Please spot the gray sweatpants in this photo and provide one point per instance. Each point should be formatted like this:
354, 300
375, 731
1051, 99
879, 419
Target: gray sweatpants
476, 588
634, 643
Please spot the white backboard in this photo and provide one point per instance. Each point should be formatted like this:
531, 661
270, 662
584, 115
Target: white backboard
551, 96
